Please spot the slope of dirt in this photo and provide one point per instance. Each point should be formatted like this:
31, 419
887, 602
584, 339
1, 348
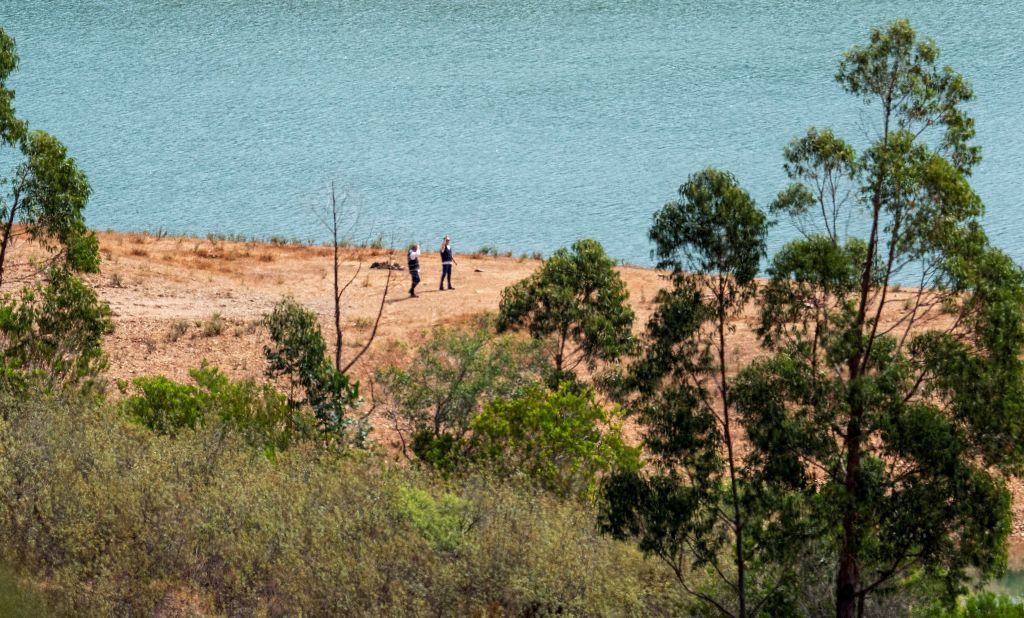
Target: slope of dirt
166, 291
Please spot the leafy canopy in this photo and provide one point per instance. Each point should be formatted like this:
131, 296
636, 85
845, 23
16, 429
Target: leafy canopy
893, 415
563, 440
691, 508
297, 352
881, 423
449, 379
578, 301
53, 332
46, 191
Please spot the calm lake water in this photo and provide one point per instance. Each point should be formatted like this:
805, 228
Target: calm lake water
524, 125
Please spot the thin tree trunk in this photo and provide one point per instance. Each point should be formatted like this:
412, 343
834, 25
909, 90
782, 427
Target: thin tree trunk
741, 584
337, 292
848, 575
8, 226
376, 322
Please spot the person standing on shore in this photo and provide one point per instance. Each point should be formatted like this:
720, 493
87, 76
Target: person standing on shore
414, 268
447, 259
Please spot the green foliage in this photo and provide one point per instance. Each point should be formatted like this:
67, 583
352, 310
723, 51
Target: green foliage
46, 191
450, 377
53, 331
714, 228
257, 412
110, 519
694, 509
52, 193
896, 412
18, 599
164, 405
298, 353
983, 605
576, 298
443, 520
563, 440
881, 428
11, 128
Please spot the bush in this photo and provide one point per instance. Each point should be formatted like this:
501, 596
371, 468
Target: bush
54, 332
448, 381
256, 411
443, 521
177, 330
563, 440
214, 326
165, 406
112, 519
298, 353
982, 605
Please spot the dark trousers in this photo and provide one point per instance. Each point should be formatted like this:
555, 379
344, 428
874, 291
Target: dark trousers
446, 271
415, 280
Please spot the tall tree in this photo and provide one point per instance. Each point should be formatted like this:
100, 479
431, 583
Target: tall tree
894, 413
46, 191
693, 508
881, 421
576, 299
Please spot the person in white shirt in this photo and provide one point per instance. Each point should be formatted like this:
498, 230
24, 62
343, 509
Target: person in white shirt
414, 268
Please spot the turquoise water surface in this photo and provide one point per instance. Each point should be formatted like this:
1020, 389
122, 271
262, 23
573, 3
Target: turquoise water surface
523, 125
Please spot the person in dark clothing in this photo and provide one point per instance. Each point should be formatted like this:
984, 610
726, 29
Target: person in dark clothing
447, 259
414, 268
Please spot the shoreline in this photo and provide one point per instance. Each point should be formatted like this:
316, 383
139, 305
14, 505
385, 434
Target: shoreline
165, 292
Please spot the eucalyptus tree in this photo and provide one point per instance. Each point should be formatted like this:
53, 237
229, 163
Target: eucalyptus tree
51, 331
297, 352
46, 191
886, 410
577, 301
692, 511
894, 413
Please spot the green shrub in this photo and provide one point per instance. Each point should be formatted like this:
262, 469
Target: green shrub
982, 605
443, 520
111, 519
54, 332
564, 440
165, 406
450, 377
297, 352
443, 452
256, 411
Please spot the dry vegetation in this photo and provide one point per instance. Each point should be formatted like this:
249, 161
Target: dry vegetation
179, 300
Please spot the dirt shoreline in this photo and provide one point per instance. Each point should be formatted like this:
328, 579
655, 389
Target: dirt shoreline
165, 291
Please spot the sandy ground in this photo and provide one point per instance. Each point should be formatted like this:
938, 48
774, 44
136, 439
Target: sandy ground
166, 291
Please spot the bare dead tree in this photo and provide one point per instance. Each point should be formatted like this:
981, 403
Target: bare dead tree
333, 221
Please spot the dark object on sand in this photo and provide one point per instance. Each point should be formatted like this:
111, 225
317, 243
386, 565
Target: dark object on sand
387, 266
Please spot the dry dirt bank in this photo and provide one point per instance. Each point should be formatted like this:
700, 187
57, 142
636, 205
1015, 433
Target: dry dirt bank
157, 286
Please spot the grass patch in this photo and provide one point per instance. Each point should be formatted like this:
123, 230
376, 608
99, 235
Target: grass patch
18, 600
178, 328
214, 326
